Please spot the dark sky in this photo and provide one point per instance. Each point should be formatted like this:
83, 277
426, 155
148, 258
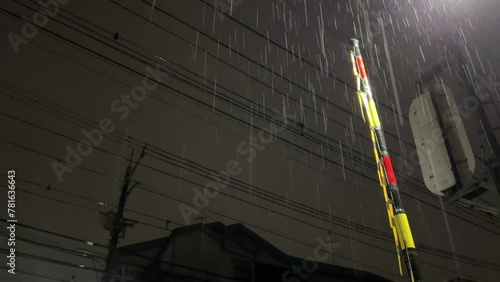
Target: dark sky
262, 64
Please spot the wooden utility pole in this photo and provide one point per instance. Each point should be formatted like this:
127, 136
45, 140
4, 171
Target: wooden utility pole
119, 222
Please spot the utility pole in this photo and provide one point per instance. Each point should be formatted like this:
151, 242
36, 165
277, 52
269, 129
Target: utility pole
119, 222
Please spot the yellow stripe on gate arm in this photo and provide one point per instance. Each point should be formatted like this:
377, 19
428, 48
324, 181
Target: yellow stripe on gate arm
398, 247
390, 216
374, 113
366, 106
404, 231
361, 108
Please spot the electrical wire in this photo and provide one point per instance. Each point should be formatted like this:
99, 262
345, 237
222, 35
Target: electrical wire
228, 47
450, 255
93, 269
421, 190
328, 159
285, 95
34, 275
162, 261
267, 39
264, 194
75, 140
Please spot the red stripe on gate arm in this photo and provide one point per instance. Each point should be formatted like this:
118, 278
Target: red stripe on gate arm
391, 177
361, 67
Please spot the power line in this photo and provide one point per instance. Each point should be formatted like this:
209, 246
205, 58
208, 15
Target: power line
177, 36
317, 141
432, 251
146, 187
55, 234
237, 69
99, 257
231, 101
64, 263
210, 92
73, 139
223, 113
425, 191
363, 136
96, 202
34, 275
267, 39
267, 196
52, 233
154, 226
137, 255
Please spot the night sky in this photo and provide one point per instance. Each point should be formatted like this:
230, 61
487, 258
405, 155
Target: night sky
195, 89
